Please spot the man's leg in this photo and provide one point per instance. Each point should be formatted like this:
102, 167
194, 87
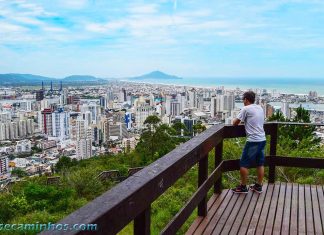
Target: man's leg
260, 172
260, 162
244, 171
244, 174
242, 187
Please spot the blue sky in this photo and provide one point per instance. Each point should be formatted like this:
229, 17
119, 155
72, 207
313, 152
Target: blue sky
250, 38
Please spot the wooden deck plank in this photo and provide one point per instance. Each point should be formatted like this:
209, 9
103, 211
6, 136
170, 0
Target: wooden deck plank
231, 218
198, 220
212, 200
301, 210
316, 211
221, 215
309, 211
240, 215
246, 217
320, 195
259, 209
215, 216
283, 208
279, 211
293, 229
265, 210
286, 213
269, 222
223, 198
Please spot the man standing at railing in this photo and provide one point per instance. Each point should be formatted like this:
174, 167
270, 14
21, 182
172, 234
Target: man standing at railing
252, 116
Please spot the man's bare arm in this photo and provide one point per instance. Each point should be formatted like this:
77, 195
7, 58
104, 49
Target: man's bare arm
236, 121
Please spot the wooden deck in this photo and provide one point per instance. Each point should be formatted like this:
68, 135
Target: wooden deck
282, 208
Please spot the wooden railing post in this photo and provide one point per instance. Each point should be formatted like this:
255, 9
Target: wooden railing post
218, 160
142, 223
273, 153
202, 177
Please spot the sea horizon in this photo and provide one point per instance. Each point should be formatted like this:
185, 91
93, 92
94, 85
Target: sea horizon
282, 85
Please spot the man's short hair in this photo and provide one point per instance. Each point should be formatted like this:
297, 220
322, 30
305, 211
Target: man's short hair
250, 96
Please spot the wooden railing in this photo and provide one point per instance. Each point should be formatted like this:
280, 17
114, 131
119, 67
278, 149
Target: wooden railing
131, 199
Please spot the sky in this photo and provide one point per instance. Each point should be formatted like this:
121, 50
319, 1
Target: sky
188, 38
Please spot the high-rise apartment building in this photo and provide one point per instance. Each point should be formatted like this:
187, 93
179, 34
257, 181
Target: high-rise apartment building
84, 148
221, 104
81, 132
4, 133
142, 112
5, 117
60, 124
104, 126
40, 95
192, 98
4, 167
47, 121
118, 130
175, 108
285, 109
13, 131
189, 123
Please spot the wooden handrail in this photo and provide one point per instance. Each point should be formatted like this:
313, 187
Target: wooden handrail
131, 199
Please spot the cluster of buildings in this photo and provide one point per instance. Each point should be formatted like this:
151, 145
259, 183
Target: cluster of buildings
80, 122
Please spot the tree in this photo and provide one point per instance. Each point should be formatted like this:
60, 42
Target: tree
292, 136
19, 172
155, 141
65, 163
277, 116
35, 149
179, 127
198, 128
152, 122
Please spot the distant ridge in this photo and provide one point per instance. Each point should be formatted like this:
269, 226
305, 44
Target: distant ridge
13, 78
82, 78
30, 79
156, 75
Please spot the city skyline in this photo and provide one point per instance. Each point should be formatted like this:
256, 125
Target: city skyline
119, 39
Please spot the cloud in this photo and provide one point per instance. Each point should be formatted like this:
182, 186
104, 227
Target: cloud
73, 4
144, 9
106, 27
190, 30
11, 28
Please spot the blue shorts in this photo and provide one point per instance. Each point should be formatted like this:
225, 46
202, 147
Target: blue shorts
253, 154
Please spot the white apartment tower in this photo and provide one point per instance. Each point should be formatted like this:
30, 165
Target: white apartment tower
285, 109
175, 108
142, 111
60, 121
84, 149
5, 117
192, 95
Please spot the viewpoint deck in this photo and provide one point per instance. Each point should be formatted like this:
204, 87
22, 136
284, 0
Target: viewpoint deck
282, 208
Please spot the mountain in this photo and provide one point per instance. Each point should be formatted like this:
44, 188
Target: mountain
82, 78
30, 79
158, 75
14, 78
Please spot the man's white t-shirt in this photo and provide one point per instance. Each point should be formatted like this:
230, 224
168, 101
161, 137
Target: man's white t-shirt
253, 117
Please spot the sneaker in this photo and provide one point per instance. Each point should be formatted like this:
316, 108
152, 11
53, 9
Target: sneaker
256, 188
240, 189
